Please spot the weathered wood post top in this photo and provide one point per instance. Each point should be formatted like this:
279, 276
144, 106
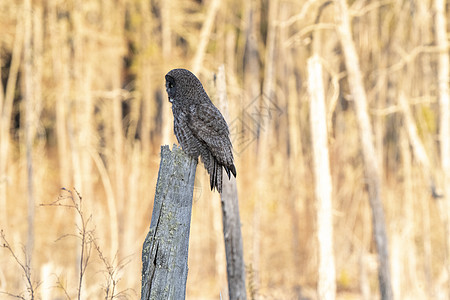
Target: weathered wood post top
165, 249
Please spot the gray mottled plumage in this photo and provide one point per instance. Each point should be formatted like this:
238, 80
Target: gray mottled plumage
199, 126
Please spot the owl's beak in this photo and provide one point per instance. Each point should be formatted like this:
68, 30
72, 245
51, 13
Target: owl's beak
170, 100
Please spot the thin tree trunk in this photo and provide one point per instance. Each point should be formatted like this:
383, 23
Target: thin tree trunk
80, 129
111, 202
148, 107
380, 59
2, 89
372, 171
269, 71
444, 105
414, 139
166, 31
61, 60
252, 84
230, 214
38, 68
166, 114
264, 129
409, 258
144, 81
427, 79
29, 110
296, 164
165, 249
119, 168
327, 275
77, 113
205, 35
5, 116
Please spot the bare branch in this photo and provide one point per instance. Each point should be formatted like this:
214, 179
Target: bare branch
13, 295
112, 275
61, 286
84, 232
31, 287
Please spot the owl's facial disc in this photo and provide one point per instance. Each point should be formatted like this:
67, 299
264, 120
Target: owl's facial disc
170, 87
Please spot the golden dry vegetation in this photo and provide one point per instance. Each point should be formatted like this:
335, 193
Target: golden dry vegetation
83, 106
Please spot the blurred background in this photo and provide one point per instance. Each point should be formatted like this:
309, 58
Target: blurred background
83, 107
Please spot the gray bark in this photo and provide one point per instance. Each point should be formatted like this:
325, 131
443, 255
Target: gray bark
233, 240
165, 249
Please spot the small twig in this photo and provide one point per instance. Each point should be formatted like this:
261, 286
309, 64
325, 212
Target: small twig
297, 37
297, 17
112, 278
368, 8
407, 57
24, 266
85, 234
13, 295
61, 286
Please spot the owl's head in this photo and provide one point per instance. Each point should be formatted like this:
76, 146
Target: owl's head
182, 84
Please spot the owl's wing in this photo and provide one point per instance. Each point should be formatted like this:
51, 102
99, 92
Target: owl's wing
209, 126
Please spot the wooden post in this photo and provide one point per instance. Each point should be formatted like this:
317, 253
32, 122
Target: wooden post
165, 250
233, 241
230, 215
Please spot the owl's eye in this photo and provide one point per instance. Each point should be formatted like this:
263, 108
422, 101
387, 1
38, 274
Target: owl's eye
170, 86
170, 82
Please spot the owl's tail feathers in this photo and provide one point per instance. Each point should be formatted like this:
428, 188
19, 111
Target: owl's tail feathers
216, 176
231, 169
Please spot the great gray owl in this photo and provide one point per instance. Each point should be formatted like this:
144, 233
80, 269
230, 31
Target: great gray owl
199, 126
